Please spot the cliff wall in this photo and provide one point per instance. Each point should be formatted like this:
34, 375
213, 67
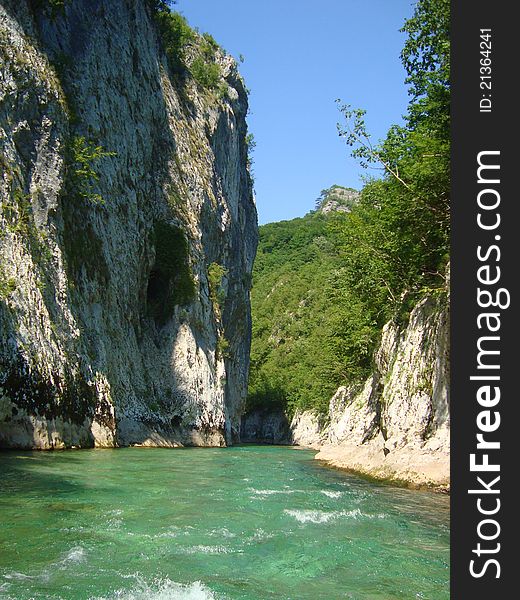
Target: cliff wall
397, 424
128, 233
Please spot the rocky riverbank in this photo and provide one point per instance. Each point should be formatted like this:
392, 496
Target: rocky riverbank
395, 425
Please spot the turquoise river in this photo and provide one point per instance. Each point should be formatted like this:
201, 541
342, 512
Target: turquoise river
241, 523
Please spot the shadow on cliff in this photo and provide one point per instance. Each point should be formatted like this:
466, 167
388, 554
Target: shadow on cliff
266, 426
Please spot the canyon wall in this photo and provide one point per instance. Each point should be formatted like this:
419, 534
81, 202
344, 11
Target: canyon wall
128, 233
396, 425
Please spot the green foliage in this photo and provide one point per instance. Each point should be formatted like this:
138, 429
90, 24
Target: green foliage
210, 46
222, 348
177, 37
80, 172
18, 213
297, 358
157, 5
426, 58
217, 294
175, 34
51, 8
396, 241
7, 286
171, 282
204, 68
83, 247
250, 145
205, 73
324, 285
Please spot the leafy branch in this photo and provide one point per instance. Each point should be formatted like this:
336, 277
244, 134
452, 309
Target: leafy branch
355, 133
80, 172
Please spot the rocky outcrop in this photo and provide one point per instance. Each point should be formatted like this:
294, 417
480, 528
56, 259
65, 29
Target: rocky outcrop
128, 232
396, 425
337, 199
308, 429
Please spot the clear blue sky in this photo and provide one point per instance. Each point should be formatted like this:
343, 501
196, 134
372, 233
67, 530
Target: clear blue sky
299, 57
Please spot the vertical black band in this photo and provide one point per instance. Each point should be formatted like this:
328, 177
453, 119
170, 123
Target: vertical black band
484, 328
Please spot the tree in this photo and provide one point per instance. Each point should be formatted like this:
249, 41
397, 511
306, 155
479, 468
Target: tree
325, 284
397, 240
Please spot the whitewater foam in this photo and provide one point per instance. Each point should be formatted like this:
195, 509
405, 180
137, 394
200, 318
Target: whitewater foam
162, 589
17, 575
203, 549
75, 555
259, 535
320, 516
171, 532
332, 494
271, 492
222, 532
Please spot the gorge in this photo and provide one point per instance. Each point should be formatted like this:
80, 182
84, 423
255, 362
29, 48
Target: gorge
128, 239
169, 369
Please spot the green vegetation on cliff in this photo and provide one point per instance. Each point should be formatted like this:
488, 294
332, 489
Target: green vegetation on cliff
324, 285
188, 52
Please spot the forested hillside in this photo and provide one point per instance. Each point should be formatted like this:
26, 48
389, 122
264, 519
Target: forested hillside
324, 284
295, 358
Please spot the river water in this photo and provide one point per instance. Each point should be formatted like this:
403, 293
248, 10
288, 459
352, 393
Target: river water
248, 523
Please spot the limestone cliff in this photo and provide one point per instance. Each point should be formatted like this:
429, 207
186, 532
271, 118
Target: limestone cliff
396, 425
128, 232
337, 199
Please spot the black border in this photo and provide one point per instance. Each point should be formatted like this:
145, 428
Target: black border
472, 132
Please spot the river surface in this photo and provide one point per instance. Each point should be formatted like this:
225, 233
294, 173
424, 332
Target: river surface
241, 523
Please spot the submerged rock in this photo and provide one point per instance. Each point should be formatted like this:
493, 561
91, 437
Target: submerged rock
128, 234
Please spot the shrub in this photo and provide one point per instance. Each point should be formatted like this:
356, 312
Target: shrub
7, 286
175, 34
80, 173
216, 273
206, 74
222, 348
170, 282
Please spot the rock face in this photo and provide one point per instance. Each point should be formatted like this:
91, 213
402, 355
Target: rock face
337, 199
397, 424
308, 429
266, 427
128, 233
